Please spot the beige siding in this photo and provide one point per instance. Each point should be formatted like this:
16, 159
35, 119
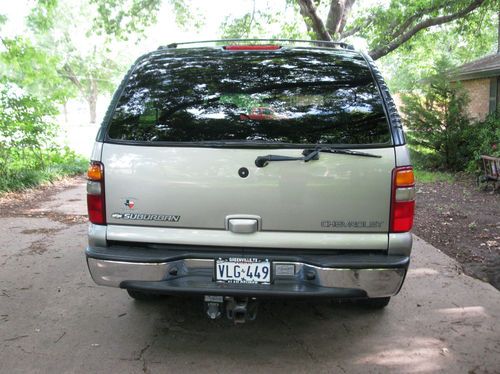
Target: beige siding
478, 91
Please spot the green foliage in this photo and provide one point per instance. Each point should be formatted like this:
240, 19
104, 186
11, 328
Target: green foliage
186, 16
265, 23
85, 61
28, 153
460, 42
441, 136
65, 163
483, 139
244, 27
387, 21
25, 127
121, 18
42, 15
24, 64
437, 121
428, 176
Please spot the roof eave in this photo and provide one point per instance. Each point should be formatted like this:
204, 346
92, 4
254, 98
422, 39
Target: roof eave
482, 74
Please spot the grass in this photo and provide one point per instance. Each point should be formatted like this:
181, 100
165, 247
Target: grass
421, 157
427, 176
20, 179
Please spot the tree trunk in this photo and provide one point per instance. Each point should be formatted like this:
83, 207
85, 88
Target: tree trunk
65, 111
92, 100
308, 9
337, 16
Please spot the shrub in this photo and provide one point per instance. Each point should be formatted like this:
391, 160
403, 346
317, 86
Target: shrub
436, 119
28, 152
483, 139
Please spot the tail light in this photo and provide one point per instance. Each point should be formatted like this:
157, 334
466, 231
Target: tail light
95, 193
269, 47
403, 199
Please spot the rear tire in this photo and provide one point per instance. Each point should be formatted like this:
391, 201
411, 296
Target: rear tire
143, 296
374, 303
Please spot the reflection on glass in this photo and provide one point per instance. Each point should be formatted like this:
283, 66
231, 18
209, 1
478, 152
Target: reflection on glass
290, 96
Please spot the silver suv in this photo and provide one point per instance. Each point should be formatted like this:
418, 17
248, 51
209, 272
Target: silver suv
238, 171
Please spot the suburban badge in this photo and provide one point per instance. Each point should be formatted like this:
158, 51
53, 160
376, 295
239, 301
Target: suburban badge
146, 217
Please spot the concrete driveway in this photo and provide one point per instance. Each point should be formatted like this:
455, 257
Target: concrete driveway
53, 319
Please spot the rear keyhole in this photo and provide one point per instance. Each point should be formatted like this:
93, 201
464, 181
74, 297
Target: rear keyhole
243, 172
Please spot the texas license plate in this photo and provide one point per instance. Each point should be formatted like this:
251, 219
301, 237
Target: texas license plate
242, 270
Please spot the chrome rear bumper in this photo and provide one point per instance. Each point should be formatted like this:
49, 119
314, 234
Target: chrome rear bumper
195, 276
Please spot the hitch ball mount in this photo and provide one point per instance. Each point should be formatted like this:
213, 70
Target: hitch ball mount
237, 309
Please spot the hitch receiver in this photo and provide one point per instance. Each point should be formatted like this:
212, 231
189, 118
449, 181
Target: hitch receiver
240, 310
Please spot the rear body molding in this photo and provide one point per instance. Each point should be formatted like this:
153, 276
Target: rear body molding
262, 239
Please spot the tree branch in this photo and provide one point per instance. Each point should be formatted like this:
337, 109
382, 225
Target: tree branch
406, 24
378, 52
251, 20
70, 74
345, 14
334, 16
307, 9
357, 28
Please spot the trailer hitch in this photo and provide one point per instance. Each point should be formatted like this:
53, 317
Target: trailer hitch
238, 309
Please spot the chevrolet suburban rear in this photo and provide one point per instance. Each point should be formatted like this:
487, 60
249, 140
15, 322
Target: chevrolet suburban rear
236, 171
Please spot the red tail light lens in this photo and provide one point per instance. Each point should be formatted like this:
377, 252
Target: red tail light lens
402, 216
95, 205
95, 193
403, 199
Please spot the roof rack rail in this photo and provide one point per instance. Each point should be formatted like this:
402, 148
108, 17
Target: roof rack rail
321, 43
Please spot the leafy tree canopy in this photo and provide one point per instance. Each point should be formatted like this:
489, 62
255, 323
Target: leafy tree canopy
121, 18
459, 42
86, 60
388, 26
410, 35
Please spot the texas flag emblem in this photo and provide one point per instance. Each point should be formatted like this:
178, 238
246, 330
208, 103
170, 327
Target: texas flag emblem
129, 203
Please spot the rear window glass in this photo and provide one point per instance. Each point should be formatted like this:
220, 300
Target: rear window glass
289, 96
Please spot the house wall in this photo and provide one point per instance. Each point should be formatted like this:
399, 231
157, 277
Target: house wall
478, 91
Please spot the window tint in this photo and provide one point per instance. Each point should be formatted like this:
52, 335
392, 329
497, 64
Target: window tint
290, 96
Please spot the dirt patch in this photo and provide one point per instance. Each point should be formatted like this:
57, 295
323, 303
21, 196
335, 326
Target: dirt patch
40, 231
38, 247
464, 222
27, 203
23, 201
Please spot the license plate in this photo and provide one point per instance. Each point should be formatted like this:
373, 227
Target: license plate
242, 270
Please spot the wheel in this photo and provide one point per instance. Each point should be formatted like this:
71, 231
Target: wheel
374, 303
143, 296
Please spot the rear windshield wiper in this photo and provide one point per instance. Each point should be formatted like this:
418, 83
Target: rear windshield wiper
310, 154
